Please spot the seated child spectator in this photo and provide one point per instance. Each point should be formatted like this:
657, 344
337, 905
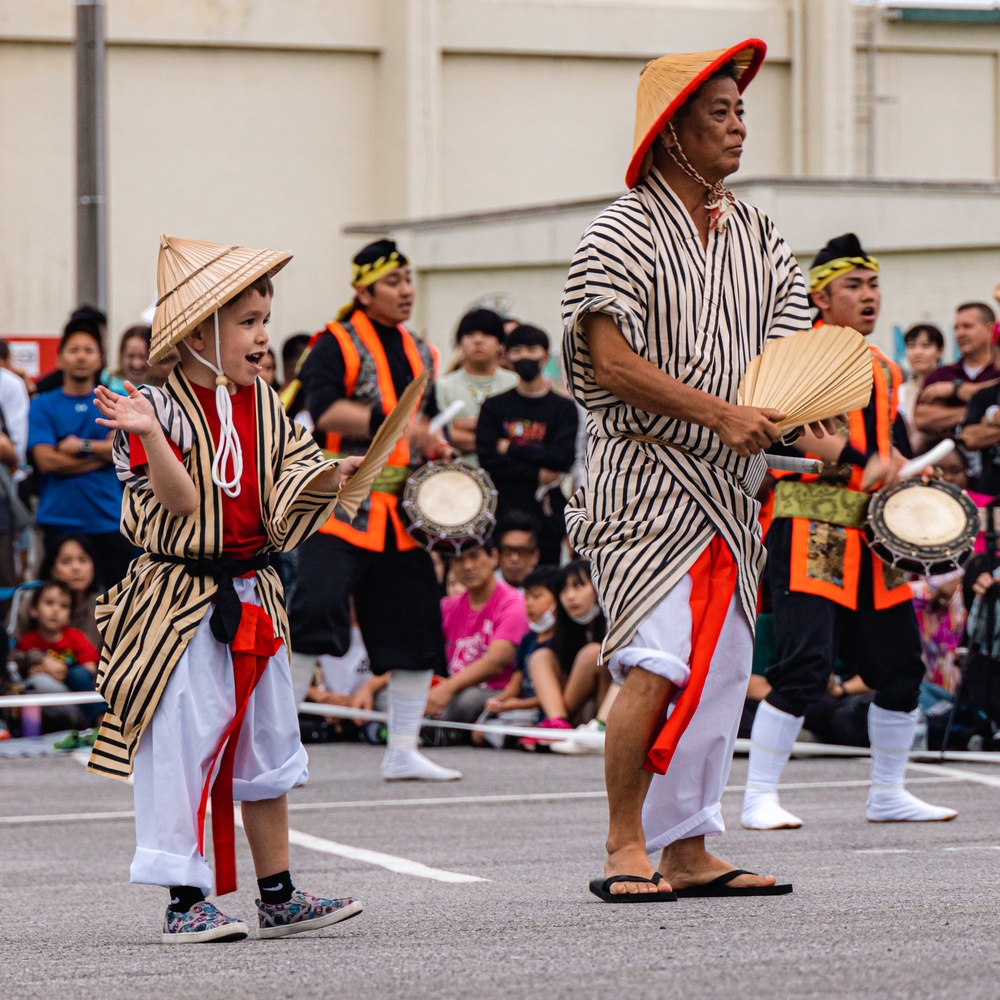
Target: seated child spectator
70, 560
52, 656
569, 676
517, 703
482, 629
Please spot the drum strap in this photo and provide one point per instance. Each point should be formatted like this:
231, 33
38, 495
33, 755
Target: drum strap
818, 502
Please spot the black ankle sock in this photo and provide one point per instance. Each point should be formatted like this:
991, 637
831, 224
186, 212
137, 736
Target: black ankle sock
183, 897
276, 888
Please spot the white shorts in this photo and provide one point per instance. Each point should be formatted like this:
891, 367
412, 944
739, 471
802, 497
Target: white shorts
180, 742
687, 800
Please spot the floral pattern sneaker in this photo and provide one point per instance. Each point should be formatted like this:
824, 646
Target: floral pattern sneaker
303, 912
203, 922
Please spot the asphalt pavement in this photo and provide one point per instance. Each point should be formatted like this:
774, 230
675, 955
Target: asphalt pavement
478, 889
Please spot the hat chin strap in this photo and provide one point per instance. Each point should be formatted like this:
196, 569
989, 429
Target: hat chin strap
721, 200
229, 449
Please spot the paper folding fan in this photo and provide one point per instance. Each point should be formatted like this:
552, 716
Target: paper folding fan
811, 375
355, 491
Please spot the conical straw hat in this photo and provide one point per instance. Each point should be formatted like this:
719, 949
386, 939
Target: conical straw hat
666, 83
195, 278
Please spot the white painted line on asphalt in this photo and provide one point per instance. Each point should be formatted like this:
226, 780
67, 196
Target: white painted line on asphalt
458, 800
445, 800
887, 850
924, 850
855, 783
939, 778
64, 817
402, 866
974, 776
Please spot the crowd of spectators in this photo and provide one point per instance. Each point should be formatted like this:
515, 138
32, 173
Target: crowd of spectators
521, 620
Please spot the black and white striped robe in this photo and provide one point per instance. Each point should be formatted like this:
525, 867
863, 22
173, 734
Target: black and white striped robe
148, 619
647, 511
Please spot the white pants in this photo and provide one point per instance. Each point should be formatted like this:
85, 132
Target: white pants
180, 742
687, 800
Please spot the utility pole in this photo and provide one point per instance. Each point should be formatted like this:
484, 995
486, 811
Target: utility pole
91, 226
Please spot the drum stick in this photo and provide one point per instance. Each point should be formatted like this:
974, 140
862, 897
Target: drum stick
787, 463
917, 465
446, 416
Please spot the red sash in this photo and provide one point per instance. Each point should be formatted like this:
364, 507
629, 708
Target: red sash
253, 646
713, 579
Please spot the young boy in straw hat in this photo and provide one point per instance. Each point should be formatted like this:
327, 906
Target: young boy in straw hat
194, 667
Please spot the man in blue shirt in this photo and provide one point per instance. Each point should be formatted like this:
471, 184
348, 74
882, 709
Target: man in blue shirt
78, 490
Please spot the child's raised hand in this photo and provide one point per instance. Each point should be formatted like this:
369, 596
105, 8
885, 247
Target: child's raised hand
133, 413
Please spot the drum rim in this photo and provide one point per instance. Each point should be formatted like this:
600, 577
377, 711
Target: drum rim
421, 526
928, 558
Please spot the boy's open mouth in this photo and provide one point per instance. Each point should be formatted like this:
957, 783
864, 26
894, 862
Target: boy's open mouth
255, 359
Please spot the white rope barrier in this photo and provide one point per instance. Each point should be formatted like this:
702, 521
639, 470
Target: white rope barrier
498, 729
50, 700
582, 736
597, 739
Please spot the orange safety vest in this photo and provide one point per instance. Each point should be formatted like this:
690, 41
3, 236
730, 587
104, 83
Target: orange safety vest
890, 586
368, 379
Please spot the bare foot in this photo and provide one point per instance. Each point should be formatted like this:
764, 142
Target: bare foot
685, 864
632, 860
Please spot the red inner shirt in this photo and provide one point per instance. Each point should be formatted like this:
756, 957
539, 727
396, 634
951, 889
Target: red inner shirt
243, 532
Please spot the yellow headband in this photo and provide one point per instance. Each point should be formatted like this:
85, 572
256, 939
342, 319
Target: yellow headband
822, 274
368, 274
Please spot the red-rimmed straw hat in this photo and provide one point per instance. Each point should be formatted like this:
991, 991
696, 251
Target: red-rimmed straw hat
666, 83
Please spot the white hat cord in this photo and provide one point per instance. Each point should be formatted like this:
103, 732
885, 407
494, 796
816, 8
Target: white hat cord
229, 449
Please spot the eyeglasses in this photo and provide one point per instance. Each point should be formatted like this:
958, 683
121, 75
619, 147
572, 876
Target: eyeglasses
517, 550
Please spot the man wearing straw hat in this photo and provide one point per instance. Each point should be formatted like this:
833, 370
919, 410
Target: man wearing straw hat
673, 289
216, 479
829, 590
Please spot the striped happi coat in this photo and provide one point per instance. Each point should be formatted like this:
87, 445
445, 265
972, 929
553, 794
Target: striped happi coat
148, 619
647, 511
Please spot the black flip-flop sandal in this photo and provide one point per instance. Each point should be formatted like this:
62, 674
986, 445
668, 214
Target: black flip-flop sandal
720, 887
603, 890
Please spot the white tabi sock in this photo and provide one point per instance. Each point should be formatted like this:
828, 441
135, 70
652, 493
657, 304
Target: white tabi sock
771, 741
403, 761
891, 736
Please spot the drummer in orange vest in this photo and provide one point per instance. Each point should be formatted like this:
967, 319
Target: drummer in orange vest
831, 595
356, 369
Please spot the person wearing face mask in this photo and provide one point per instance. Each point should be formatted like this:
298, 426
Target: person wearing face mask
570, 676
518, 703
526, 441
